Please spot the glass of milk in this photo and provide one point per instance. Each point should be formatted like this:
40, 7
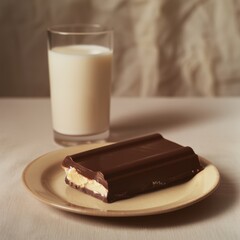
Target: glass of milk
80, 71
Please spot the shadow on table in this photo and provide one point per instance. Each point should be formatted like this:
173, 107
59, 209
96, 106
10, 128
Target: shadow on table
221, 201
149, 122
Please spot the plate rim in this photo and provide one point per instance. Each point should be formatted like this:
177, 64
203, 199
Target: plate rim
69, 207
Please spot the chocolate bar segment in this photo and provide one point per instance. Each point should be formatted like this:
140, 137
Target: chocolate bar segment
125, 169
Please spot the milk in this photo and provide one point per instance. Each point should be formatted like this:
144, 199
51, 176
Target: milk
80, 78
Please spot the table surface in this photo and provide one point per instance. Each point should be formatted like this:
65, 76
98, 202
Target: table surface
210, 126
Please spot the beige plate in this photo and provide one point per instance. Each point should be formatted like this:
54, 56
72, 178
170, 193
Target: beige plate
44, 178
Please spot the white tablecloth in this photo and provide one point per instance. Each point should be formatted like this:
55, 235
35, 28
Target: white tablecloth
210, 126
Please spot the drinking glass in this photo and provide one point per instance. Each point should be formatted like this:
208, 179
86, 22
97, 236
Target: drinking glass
80, 72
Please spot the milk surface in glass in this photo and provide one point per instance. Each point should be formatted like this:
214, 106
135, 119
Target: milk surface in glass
80, 78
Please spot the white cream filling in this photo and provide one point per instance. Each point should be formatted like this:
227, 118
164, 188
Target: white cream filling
83, 182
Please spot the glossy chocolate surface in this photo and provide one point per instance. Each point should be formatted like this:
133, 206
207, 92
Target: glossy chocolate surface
136, 166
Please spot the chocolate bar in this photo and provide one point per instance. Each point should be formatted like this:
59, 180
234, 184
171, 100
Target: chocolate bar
128, 168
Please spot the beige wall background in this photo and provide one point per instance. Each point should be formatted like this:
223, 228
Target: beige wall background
162, 47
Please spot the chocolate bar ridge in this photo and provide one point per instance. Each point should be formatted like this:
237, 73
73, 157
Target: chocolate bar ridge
135, 166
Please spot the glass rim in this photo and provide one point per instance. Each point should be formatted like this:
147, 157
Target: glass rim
65, 29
